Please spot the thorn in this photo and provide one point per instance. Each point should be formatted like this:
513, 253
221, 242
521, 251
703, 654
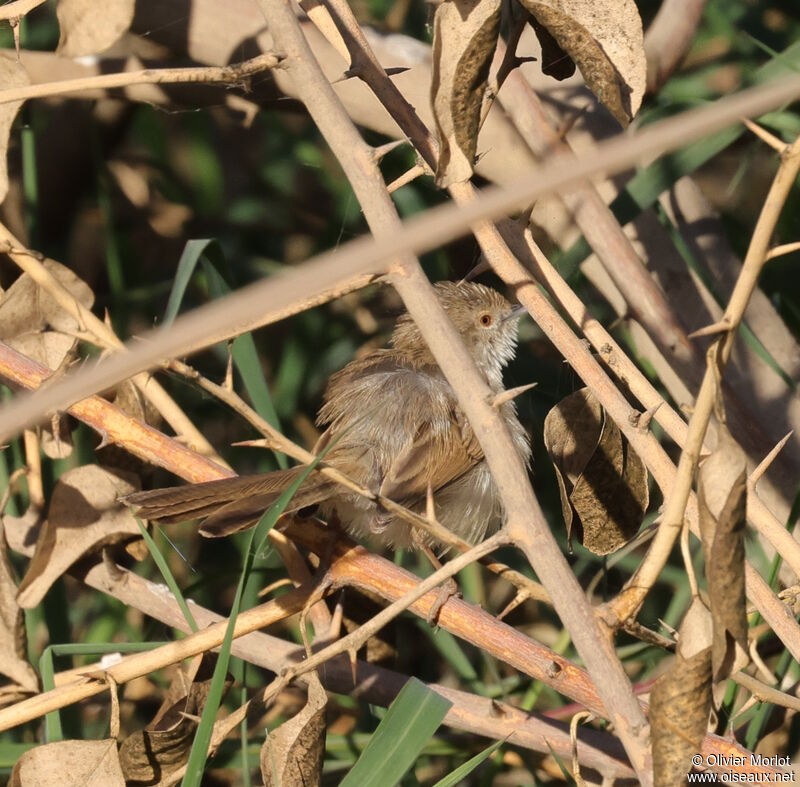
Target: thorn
227, 383
786, 248
430, 509
496, 709
351, 652
379, 152
673, 632
642, 420
524, 219
15, 29
406, 178
765, 136
263, 442
721, 326
477, 270
335, 627
395, 70
765, 463
344, 77
511, 393
104, 441
520, 598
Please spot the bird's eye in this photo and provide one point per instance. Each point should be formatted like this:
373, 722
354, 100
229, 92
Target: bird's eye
485, 320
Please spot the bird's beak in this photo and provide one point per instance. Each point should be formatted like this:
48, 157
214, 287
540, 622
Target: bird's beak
515, 313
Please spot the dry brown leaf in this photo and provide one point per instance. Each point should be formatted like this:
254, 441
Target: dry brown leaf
22, 532
604, 38
47, 347
13, 663
84, 516
12, 74
293, 753
555, 62
56, 439
464, 40
681, 700
25, 307
722, 504
89, 27
151, 755
69, 764
602, 481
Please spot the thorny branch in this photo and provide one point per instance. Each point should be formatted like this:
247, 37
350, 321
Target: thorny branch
526, 524
629, 602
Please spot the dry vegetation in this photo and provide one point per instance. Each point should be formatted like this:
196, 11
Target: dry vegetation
181, 178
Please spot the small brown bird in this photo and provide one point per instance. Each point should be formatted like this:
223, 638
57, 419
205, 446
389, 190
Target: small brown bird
396, 428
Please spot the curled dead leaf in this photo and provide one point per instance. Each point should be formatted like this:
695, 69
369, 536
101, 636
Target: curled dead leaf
464, 40
12, 74
555, 62
681, 700
13, 649
88, 27
605, 40
293, 754
601, 480
84, 516
151, 755
69, 764
722, 506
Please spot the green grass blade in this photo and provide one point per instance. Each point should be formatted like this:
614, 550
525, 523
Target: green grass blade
645, 187
52, 721
258, 535
411, 720
192, 252
564, 770
247, 363
469, 766
169, 577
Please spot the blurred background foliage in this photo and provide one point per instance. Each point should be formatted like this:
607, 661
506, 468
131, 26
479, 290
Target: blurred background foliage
115, 189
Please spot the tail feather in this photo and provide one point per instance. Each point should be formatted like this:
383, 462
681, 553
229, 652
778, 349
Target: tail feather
229, 504
241, 514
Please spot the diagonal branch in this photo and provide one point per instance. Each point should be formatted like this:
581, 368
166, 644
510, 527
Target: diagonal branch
629, 602
526, 524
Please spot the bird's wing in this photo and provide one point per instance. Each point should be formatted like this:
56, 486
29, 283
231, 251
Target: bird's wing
438, 454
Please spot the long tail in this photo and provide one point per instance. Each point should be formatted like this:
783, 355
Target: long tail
229, 504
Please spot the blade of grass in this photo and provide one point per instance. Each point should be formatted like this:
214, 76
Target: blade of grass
255, 544
411, 720
169, 577
52, 721
246, 361
187, 264
468, 767
649, 183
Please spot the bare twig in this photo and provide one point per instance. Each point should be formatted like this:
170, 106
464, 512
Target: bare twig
102, 335
628, 602
315, 280
18, 8
114, 425
526, 524
786, 248
669, 38
158, 658
237, 72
